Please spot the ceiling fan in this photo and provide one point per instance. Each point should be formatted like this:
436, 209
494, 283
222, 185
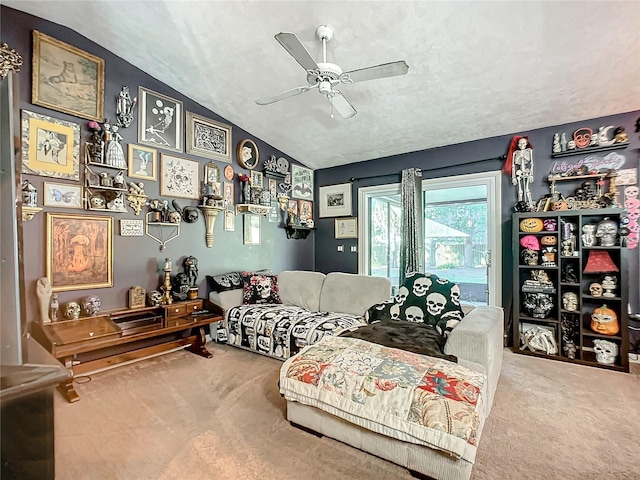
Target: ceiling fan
325, 76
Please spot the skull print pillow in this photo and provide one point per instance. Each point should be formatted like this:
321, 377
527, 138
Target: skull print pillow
260, 288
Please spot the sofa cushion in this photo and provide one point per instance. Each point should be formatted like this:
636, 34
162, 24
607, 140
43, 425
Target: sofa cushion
352, 293
301, 288
259, 288
225, 281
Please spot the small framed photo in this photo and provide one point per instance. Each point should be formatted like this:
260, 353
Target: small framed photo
62, 195
305, 210
247, 154
301, 182
292, 207
179, 177
50, 147
229, 221
143, 162
256, 179
67, 79
347, 227
208, 138
79, 251
252, 229
335, 200
273, 188
159, 120
229, 193
131, 227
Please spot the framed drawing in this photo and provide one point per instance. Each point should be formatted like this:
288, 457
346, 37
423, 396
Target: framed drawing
335, 200
179, 177
228, 194
273, 188
301, 182
159, 120
256, 179
247, 154
50, 147
143, 162
347, 227
208, 138
79, 251
229, 221
252, 229
305, 210
62, 195
67, 79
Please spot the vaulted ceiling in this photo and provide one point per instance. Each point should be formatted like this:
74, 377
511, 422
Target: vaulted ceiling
476, 69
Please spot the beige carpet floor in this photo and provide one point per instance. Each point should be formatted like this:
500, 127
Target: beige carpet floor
179, 416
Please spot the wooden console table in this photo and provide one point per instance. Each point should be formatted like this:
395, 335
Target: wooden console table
93, 343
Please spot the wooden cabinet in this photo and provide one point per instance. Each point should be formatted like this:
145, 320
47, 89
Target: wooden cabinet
557, 293
94, 343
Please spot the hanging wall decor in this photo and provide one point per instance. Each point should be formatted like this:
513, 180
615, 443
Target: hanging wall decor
160, 120
208, 138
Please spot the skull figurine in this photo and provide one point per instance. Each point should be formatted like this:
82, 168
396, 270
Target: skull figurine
595, 289
570, 301
530, 257
606, 232
90, 305
606, 351
154, 298
174, 217
538, 305
414, 314
420, 286
71, 310
436, 303
190, 214
570, 349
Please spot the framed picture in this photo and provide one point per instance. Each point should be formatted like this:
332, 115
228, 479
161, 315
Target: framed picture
159, 120
335, 200
273, 188
179, 177
252, 229
305, 210
131, 227
301, 182
62, 195
256, 179
292, 207
229, 193
347, 227
143, 162
50, 147
274, 212
208, 138
79, 251
229, 221
67, 79
247, 154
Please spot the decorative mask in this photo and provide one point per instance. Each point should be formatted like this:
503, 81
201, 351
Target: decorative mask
604, 320
606, 351
71, 310
90, 305
538, 305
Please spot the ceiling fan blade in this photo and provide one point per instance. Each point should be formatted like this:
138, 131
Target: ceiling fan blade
294, 46
379, 71
285, 94
342, 105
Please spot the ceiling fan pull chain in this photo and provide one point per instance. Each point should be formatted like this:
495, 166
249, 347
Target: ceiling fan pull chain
330, 97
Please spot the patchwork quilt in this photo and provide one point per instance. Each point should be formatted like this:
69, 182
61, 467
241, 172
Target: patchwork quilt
283, 330
414, 398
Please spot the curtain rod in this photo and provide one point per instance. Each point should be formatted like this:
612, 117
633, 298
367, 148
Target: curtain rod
501, 157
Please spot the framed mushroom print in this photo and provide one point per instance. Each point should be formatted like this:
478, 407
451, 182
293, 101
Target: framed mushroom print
247, 154
143, 162
159, 120
208, 138
67, 79
79, 251
179, 177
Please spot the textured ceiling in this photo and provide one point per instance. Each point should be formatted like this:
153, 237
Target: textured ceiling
476, 69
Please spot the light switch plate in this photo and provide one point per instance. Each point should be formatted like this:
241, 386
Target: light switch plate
341, 248
354, 248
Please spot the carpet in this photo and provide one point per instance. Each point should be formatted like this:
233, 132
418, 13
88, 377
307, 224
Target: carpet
180, 416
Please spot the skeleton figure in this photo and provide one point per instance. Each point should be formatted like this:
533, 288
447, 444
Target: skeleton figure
606, 351
90, 305
522, 172
71, 310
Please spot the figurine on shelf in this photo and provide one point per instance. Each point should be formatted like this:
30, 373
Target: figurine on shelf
604, 320
563, 142
245, 188
181, 287
191, 269
606, 232
556, 143
588, 235
522, 169
609, 283
570, 349
71, 311
570, 301
29, 194
90, 305
118, 180
569, 274
595, 289
606, 351
114, 154
54, 307
95, 146
124, 108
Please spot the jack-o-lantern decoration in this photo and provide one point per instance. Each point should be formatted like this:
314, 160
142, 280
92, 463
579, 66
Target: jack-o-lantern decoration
549, 240
559, 206
531, 225
604, 320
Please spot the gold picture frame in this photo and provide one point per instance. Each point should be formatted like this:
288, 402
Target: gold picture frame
50, 147
141, 161
247, 154
67, 79
79, 251
208, 138
179, 177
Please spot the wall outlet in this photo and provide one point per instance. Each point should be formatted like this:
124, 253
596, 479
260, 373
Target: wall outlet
354, 248
341, 248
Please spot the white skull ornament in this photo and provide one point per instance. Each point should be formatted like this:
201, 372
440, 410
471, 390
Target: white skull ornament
420, 286
414, 314
606, 351
435, 303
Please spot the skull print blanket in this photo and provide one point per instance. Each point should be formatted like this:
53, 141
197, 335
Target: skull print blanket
414, 398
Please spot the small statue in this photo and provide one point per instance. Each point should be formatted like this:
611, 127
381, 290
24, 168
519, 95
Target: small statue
606, 232
43, 291
570, 301
569, 274
124, 108
191, 269
71, 310
570, 349
54, 307
588, 236
154, 298
95, 146
114, 154
29, 194
556, 143
606, 351
522, 170
118, 180
90, 305
180, 290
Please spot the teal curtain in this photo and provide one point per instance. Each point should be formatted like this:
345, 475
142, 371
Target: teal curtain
412, 231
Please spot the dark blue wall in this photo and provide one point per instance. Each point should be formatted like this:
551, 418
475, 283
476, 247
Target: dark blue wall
466, 158
137, 259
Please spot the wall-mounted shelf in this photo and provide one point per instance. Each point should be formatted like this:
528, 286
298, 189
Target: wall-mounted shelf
252, 208
585, 150
159, 228
100, 197
210, 214
29, 212
297, 233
